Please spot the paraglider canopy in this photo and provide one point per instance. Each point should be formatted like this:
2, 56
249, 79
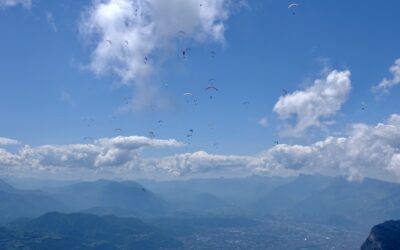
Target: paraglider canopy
211, 88
190, 133
152, 135
292, 7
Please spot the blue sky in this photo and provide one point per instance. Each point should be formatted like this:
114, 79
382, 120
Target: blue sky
50, 95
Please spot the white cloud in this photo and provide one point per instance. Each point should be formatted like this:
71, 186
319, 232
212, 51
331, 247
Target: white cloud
8, 141
386, 83
363, 151
106, 152
11, 3
263, 122
201, 162
9, 159
124, 33
321, 100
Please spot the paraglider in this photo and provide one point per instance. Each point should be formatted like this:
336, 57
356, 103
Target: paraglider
363, 105
185, 52
145, 60
160, 122
276, 142
126, 100
181, 33
190, 133
189, 97
152, 135
212, 53
292, 7
211, 88
109, 42
118, 129
284, 92
89, 121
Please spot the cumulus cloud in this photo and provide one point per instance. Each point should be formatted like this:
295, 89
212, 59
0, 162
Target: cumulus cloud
11, 3
8, 141
363, 151
128, 35
118, 151
388, 83
321, 100
201, 163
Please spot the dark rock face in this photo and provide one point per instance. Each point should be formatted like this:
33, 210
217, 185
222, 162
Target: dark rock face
385, 236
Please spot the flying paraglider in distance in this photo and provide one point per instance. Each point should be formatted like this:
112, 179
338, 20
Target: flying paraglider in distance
185, 52
284, 92
211, 88
118, 129
363, 106
160, 122
276, 142
109, 42
126, 100
212, 53
190, 133
211, 80
89, 121
189, 97
292, 7
152, 135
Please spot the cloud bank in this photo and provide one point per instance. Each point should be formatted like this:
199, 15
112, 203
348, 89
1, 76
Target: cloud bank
321, 100
365, 151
